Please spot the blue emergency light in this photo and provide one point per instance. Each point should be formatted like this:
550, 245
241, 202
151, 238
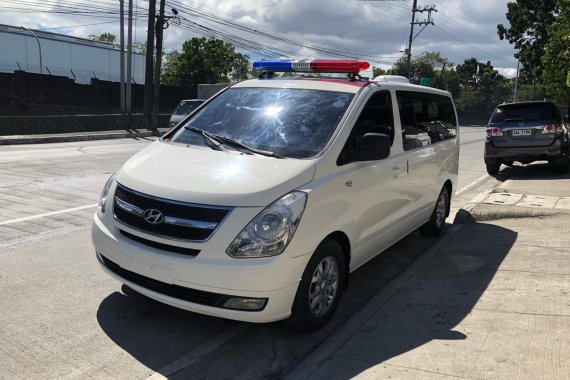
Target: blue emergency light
350, 66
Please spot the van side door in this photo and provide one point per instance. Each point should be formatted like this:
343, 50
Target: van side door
375, 186
429, 127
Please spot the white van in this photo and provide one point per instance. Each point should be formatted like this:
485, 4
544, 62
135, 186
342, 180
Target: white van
259, 206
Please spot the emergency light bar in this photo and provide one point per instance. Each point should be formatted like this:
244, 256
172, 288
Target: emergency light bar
350, 66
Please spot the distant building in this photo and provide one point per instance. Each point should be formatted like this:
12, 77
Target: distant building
74, 57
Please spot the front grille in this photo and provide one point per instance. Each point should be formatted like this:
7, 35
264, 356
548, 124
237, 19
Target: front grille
175, 291
173, 209
163, 247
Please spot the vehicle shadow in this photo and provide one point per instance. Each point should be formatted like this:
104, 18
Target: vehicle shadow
429, 307
157, 335
535, 171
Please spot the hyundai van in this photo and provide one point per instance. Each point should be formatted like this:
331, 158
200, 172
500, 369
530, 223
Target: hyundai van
259, 205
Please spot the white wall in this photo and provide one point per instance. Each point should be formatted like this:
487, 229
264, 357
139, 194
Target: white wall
63, 55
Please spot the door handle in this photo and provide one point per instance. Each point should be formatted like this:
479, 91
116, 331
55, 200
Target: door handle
400, 169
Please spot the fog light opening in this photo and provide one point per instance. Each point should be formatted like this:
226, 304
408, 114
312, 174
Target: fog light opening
246, 304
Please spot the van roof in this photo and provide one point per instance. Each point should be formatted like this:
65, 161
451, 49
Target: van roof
332, 84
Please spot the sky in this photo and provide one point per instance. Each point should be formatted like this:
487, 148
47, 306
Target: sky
376, 31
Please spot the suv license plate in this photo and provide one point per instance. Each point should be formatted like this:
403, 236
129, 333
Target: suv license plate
522, 132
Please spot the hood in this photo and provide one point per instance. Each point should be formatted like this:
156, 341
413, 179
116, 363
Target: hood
201, 175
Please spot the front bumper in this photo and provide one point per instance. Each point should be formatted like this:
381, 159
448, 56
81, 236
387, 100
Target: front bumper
275, 279
492, 153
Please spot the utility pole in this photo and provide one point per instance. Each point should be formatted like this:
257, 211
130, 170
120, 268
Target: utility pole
516, 82
122, 56
156, 89
161, 25
425, 23
129, 57
148, 77
409, 48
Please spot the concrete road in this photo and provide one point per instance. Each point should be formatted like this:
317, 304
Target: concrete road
63, 317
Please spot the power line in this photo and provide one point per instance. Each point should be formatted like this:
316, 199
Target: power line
76, 26
201, 16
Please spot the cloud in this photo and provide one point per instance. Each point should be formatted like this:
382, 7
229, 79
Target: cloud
377, 30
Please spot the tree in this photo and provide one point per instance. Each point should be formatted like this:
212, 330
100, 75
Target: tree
140, 47
399, 68
556, 59
529, 21
420, 67
377, 71
482, 87
432, 65
204, 60
108, 38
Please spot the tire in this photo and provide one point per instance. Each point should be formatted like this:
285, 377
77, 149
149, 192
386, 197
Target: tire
436, 223
561, 165
310, 316
493, 169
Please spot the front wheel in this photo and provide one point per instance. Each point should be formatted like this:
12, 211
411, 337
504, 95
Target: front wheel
320, 288
434, 226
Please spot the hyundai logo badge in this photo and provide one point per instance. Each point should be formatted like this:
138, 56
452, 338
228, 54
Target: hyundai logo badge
153, 216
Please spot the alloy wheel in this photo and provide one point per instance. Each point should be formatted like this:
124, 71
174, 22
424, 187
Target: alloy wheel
324, 286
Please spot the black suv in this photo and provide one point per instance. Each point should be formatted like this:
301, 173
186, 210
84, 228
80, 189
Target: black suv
527, 132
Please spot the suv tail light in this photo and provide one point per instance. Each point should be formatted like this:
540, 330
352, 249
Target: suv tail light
552, 128
493, 132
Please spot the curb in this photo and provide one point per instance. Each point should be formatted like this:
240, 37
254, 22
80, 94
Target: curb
485, 212
70, 137
305, 368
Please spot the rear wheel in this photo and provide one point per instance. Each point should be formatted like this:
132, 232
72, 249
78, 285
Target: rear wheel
434, 226
320, 288
561, 165
493, 168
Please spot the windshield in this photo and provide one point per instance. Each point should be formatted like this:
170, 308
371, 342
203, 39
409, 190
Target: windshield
525, 112
290, 122
184, 108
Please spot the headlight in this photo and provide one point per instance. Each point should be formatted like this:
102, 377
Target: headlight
103, 201
271, 230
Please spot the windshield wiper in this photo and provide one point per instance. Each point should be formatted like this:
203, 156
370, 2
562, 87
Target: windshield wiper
235, 143
210, 139
218, 140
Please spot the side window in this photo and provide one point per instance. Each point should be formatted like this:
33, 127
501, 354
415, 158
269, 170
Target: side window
376, 117
426, 118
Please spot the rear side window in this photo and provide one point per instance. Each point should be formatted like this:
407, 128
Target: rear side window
526, 112
426, 118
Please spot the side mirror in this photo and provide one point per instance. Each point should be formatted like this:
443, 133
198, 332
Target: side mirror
374, 146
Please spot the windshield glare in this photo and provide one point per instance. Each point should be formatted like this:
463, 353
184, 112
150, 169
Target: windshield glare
290, 122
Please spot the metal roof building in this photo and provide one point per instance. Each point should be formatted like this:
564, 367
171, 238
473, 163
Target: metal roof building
74, 57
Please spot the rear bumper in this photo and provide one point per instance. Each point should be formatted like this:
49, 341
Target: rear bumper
492, 153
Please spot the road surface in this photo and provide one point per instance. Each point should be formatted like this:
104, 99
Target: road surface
63, 317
